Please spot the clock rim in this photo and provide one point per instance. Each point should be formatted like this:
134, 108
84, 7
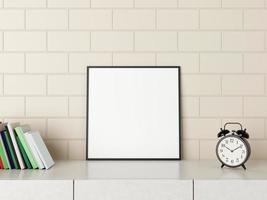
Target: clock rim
246, 144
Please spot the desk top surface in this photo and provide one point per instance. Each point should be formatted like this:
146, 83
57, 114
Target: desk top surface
180, 170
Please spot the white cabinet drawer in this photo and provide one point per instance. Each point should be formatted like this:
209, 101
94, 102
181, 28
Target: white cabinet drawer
36, 190
133, 190
230, 189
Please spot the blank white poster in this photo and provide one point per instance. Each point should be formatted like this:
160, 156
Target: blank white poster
133, 113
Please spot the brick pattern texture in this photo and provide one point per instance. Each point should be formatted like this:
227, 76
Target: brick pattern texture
221, 46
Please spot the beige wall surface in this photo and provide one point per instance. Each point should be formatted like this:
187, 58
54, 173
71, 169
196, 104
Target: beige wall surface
221, 46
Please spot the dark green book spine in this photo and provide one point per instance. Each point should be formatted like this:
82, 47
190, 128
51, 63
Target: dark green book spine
3, 135
2, 154
12, 151
23, 153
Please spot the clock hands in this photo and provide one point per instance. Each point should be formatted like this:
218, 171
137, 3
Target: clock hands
237, 148
228, 148
234, 149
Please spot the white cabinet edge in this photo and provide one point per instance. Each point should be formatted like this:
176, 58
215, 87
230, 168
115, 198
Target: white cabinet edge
36, 189
133, 189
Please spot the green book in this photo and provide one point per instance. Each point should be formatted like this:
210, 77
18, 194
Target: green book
2, 155
12, 151
26, 147
23, 153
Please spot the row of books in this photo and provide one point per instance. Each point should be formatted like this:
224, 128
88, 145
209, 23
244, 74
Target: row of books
22, 148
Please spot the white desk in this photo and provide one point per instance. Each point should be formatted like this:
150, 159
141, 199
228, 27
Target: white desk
136, 180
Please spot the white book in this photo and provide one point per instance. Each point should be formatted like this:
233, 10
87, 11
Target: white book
10, 128
42, 149
36, 156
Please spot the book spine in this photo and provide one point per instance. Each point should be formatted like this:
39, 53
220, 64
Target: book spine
1, 164
23, 153
15, 145
26, 147
3, 154
34, 152
42, 150
3, 135
11, 149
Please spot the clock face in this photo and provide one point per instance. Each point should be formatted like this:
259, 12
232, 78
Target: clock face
232, 151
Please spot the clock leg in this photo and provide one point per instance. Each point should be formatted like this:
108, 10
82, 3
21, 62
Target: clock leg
222, 165
244, 167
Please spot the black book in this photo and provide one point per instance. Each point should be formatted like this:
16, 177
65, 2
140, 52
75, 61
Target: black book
9, 157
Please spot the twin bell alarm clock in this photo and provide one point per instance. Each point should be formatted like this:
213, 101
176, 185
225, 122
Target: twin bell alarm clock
233, 149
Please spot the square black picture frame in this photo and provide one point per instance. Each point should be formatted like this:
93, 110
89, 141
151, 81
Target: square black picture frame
134, 159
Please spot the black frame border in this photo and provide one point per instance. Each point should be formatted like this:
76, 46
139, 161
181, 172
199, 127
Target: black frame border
133, 159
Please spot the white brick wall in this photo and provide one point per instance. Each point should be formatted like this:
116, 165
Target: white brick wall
68, 41
134, 59
57, 128
221, 63
46, 106
67, 3
216, 19
255, 62
24, 41
138, 19
201, 85
12, 106
243, 41
85, 19
46, 63
221, 46
199, 41
25, 85
24, 3
190, 106
12, 63
155, 3
111, 4
47, 19
221, 107
155, 41
66, 85
253, 19
77, 61
199, 3
12, 19
190, 61
112, 41
191, 22
243, 3
208, 126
